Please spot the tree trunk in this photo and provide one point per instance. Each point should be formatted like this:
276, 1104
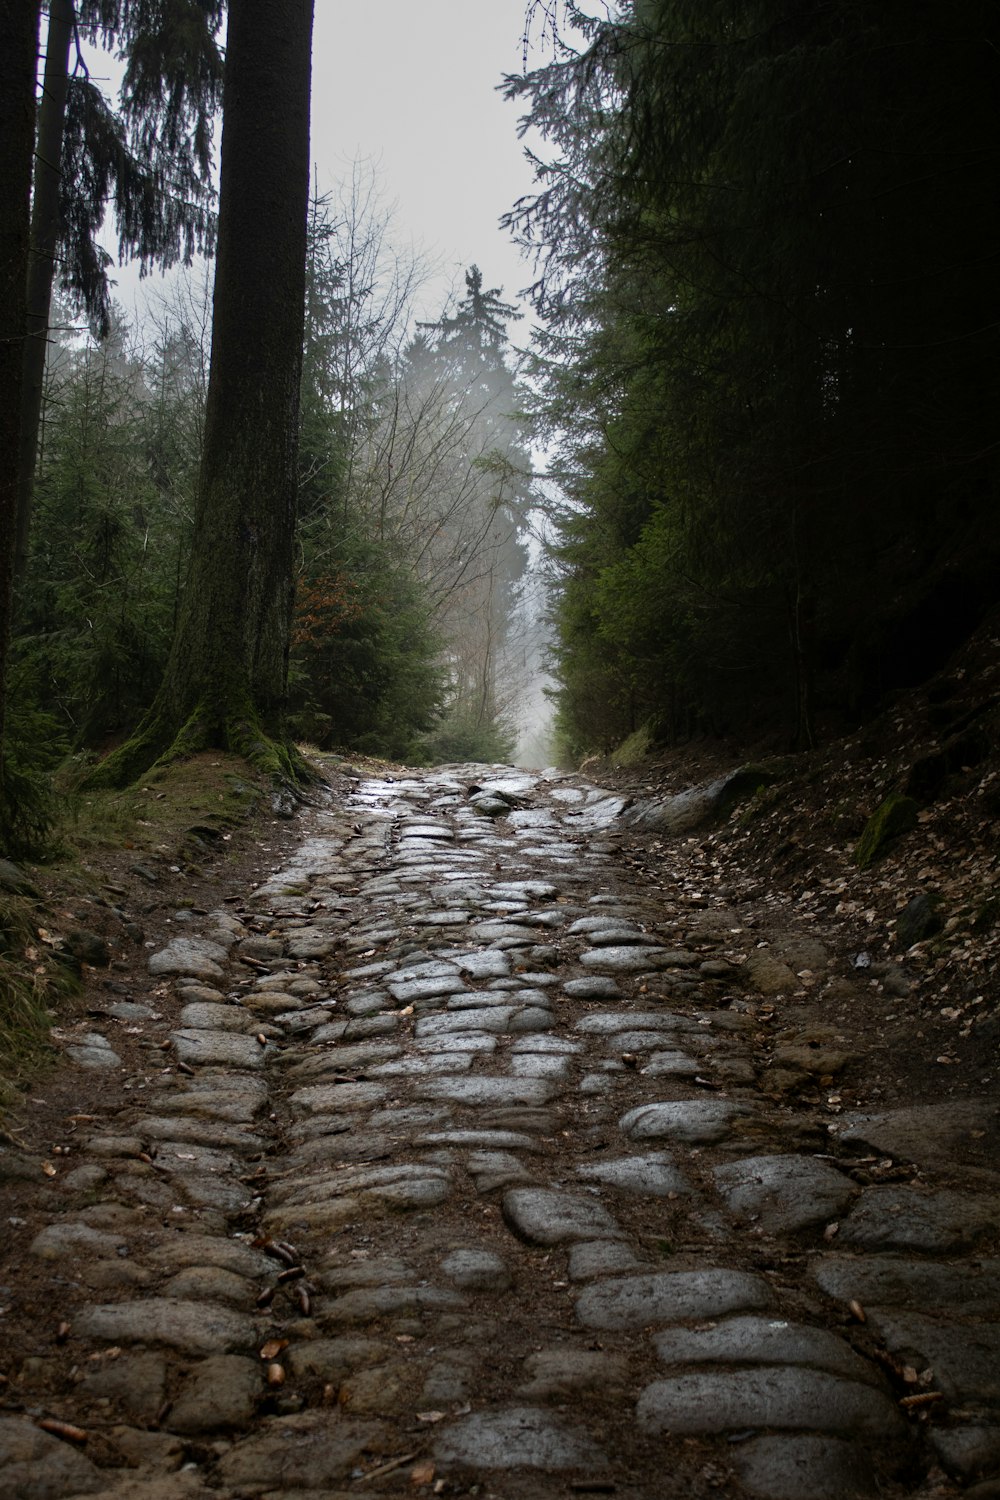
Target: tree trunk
42, 257
19, 49
225, 680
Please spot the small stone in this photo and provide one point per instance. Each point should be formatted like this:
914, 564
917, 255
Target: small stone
634, 960
328, 1098
210, 1284
87, 948
479, 1091
137, 1383
183, 1249
477, 1271
91, 1055
562, 1372
594, 987
595, 1258
333, 1360
205, 1015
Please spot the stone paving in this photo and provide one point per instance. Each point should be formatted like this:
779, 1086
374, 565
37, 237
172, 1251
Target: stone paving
461, 1180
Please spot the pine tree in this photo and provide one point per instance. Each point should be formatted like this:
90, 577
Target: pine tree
150, 161
225, 682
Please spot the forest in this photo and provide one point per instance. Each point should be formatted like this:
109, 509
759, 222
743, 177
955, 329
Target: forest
762, 389
766, 250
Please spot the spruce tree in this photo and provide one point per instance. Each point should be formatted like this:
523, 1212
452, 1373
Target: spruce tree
149, 161
225, 682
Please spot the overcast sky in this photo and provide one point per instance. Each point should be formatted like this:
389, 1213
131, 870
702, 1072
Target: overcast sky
411, 85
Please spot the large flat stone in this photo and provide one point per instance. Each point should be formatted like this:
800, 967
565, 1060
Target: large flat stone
476, 1092
666, 1296
221, 1392
764, 1341
492, 1019
521, 1437
805, 1467
784, 1193
37, 1466
606, 1022
653, 1173
202, 1132
313, 1451
698, 1121
407, 992
209, 1016
542, 1216
894, 1281
968, 1129
965, 1359
194, 1328
196, 957
227, 1049
631, 959
907, 1218
793, 1398
329, 1098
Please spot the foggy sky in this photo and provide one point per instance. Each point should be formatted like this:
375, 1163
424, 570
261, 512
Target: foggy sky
411, 84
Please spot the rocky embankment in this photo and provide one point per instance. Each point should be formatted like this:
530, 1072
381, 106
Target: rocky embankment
476, 1164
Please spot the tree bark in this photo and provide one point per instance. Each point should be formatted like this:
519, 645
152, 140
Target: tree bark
19, 49
225, 681
42, 257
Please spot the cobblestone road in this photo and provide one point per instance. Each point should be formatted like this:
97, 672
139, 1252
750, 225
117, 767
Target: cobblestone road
462, 1181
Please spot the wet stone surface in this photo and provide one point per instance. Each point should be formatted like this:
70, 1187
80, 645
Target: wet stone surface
454, 1166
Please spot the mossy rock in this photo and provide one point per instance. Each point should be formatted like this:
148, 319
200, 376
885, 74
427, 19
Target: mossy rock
890, 820
633, 751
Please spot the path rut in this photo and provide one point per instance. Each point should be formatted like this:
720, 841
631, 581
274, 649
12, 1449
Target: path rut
460, 1178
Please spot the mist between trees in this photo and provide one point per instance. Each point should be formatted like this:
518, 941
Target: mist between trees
410, 636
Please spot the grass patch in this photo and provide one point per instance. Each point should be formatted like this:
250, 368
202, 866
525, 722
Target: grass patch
30, 979
208, 795
181, 814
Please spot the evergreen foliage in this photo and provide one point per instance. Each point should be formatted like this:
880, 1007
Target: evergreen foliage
114, 498
765, 256
150, 158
